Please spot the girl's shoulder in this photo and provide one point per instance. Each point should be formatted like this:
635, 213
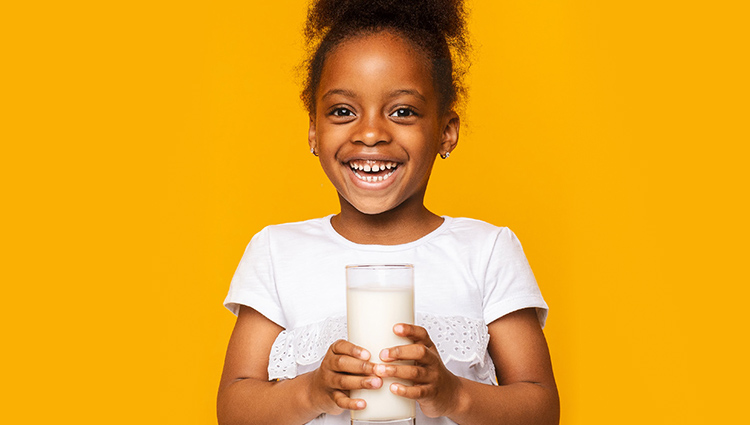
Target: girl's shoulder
471, 227
473, 234
291, 230
473, 223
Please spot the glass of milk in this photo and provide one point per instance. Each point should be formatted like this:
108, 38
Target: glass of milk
377, 298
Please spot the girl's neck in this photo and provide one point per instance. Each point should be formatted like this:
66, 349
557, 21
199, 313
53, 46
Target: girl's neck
404, 224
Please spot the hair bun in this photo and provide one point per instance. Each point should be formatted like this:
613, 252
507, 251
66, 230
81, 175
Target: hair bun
445, 17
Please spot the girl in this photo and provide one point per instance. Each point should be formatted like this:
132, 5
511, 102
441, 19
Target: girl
381, 95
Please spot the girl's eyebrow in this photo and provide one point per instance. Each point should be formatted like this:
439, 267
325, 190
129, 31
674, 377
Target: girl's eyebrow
343, 92
391, 95
412, 92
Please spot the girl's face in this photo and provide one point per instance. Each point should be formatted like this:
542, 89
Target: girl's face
377, 126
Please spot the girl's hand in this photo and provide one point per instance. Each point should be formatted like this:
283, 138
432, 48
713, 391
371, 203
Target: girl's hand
345, 367
434, 387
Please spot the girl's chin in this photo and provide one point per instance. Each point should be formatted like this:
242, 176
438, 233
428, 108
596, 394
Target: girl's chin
371, 208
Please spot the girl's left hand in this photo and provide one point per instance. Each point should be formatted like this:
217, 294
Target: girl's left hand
434, 387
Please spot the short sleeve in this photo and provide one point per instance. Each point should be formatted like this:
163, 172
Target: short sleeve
253, 284
509, 282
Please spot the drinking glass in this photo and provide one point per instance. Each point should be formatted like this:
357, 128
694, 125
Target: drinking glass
377, 298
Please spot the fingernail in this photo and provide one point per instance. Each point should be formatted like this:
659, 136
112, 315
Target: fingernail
398, 328
360, 404
376, 382
380, 369
394, 388
384, 354
364, 354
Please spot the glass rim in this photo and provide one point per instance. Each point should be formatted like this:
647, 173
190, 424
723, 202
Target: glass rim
379, 266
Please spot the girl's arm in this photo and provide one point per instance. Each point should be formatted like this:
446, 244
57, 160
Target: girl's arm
247, 397
527, 393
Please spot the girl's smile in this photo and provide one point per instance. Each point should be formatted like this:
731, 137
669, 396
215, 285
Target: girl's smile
377, 125
373, 171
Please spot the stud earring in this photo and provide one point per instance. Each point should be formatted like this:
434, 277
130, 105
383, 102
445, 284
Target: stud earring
445, 155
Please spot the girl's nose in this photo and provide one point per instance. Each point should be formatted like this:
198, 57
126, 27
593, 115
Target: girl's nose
371, 131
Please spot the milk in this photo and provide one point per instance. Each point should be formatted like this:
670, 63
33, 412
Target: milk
372, 311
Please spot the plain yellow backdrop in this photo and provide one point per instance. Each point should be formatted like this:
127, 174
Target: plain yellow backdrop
144, 143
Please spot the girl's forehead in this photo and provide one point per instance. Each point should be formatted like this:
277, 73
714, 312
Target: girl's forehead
380, 58
380, 40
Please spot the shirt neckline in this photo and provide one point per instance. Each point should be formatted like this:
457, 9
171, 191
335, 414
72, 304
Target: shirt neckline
335, 236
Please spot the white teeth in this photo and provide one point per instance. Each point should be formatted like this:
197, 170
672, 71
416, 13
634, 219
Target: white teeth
372, 179
370, 166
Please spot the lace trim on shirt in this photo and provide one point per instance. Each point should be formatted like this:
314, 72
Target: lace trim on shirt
458, 339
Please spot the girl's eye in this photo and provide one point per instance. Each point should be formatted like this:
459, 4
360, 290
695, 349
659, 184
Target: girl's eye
342, 112
403, 113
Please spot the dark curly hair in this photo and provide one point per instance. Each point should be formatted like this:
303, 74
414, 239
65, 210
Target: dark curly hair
436, 28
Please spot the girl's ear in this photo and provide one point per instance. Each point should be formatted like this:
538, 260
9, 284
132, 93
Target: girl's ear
450, 133
311, 140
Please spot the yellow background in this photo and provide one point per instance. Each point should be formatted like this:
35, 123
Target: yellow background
144, 143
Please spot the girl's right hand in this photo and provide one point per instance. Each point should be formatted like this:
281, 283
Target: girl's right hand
345, 367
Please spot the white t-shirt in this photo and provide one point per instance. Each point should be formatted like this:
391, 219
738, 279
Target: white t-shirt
467, 273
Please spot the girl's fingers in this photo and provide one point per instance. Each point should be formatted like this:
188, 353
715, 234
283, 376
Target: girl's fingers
347, 348
415, 374
417, 334
411, 392
343, 356
343, 401
419, 352
348, 364
348, 382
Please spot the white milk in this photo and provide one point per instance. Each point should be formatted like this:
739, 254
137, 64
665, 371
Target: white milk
371, 315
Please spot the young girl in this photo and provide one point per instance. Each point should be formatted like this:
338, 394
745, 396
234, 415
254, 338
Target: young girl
381, 93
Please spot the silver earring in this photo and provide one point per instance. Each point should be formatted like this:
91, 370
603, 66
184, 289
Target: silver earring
312, 151
445, 155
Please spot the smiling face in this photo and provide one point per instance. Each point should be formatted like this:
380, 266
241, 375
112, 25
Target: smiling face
377, 126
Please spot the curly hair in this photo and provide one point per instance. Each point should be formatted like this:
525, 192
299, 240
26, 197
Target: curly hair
437, 28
